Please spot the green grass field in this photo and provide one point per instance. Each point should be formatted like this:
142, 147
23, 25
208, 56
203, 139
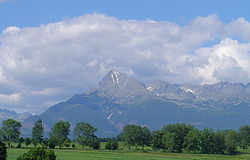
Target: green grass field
127, 155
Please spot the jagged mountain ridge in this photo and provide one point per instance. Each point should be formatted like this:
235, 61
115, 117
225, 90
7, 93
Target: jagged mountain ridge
7, 114
119, 100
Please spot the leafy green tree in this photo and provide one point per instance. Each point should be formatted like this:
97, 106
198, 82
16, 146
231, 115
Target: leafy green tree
37, 132
3, 151
180, 131
230, 142
66, 143
244, 136
11, 130
157, 142
95, 143
135, 135
52, 142
45, 143
144, 137
1, 134
27, 141
219, 142
170, 141
38, 154
207, 138
129, 135
59, 132
112, 144
212, 142
21, 140
85, 134
192, 140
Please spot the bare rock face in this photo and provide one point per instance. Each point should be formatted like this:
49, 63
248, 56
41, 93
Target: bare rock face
120, 87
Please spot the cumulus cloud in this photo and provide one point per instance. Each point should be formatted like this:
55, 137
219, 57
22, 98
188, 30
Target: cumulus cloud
47, 92
10, 99
51, 62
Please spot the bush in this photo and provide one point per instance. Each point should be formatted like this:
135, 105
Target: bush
3, 151
38, 154
112, 145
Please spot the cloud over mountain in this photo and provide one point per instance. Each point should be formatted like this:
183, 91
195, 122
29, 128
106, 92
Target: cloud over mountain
45, 64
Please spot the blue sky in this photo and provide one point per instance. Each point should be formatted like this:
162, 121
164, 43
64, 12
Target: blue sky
26, 13
53, 49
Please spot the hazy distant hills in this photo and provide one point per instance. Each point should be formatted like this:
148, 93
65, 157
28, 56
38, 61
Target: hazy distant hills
119, 100
7, 114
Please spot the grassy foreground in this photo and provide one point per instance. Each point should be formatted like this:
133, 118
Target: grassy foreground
127, 155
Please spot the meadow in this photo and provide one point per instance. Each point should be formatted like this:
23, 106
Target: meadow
79, 154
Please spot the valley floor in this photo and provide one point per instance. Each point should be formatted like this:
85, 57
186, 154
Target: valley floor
63, 154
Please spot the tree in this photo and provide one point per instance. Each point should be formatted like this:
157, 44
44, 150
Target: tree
37, 132
3, 151
230, 142
59, 132
144, 136
207, 137
212, 142
192, 140
112, 144
135, 135
52, 142
180, 131
170, 141
27, 141
11, 130
219, 142
1, 134
67, 143
95, 143
85, 134
157, 142
38, 154
45, 142
129, 134
21, 140
244, 136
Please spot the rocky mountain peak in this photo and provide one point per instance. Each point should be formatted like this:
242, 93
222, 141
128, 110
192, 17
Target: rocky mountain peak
119, 85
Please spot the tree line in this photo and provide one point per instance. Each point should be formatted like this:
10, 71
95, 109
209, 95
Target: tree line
171, 138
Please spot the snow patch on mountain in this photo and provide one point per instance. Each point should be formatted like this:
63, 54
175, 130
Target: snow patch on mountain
187, 90
115, 76
110, 116
149, 88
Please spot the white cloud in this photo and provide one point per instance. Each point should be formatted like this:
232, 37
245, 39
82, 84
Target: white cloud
52, 62
226, 61
47, 92
10, 99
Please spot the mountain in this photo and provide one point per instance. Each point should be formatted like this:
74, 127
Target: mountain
174, 91
119, 100
7, 114
119, 88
